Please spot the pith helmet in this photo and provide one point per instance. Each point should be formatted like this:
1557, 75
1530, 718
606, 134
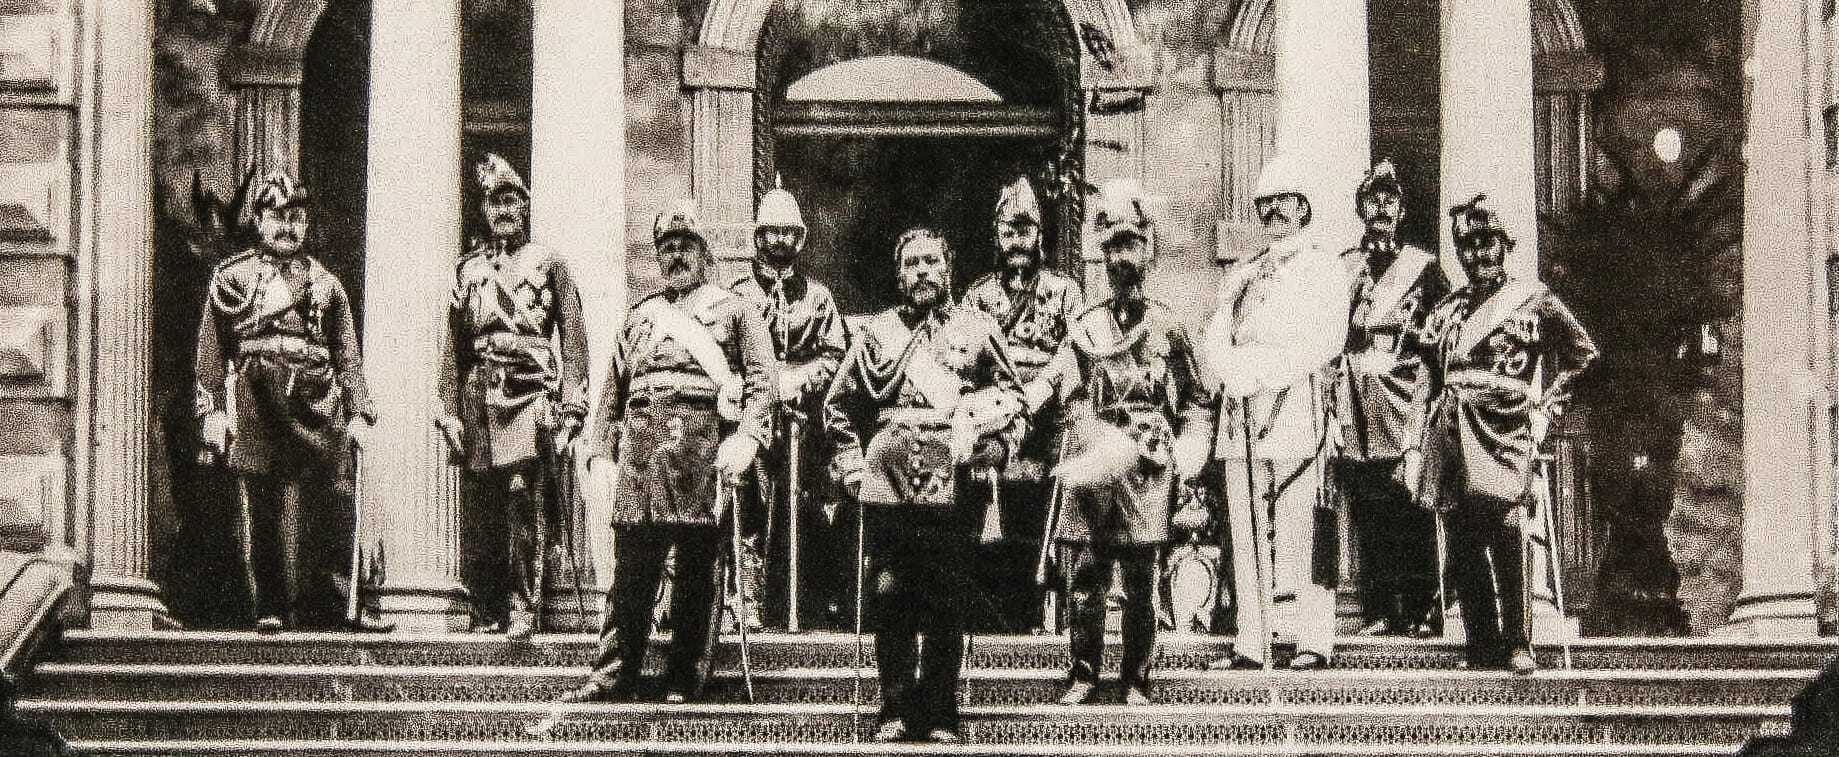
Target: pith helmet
277, 190
496, 174
1017, 203
1471, 223
1284, 173
1383, 177
779, 208
1119, 210
680, 218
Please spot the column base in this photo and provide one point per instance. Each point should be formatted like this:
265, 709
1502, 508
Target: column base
1772, 616
437, 607
128, 603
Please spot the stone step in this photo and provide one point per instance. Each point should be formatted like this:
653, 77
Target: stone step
403, 683
332, 748
833, 650
702, 724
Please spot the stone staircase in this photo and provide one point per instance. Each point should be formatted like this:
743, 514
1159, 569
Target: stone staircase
197, 693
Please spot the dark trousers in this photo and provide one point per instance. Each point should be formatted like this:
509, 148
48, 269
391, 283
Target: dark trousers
1088, 584
1006, 567
918, 586
294, 546
1488, 568
505, 538
1398, 545
639, 553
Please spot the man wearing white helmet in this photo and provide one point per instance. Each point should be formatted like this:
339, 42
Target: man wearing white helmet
1280, 321
1033, 305
808, 339
687, 406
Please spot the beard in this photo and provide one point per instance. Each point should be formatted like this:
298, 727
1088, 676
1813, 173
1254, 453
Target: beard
924, 294
507, 226
1124, 275
1020, 263
681, 273
779, 255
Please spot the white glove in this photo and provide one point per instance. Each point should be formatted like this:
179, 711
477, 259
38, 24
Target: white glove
1239, 384
358, 431
791, 387
215, 431
735, 454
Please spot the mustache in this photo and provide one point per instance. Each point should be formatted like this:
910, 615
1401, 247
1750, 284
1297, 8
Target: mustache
1266, 216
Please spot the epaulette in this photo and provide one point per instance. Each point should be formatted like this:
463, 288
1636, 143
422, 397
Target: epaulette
237, 258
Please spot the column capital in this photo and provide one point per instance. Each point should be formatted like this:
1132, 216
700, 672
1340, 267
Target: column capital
709, 67
1236, 70
253, 64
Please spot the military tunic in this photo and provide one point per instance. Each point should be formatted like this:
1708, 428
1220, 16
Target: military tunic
1487, 353
1131, 389
1033, 324
513, 381
280, 328
663, 415
914, 378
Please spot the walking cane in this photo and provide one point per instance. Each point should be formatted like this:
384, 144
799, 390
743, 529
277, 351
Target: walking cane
1442, 537
724, 497
791, 525
357, 534
1259, 553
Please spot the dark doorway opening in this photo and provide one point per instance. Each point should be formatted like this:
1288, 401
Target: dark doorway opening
861, 193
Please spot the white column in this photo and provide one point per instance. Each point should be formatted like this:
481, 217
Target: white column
122, 182
578, 175
412, 233
1322, 109
1784, 298
1487, 68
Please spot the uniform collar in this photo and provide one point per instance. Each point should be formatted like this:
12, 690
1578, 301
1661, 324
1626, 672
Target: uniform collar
790, 281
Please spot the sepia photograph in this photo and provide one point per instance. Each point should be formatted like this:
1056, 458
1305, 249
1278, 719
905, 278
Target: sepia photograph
1105, 378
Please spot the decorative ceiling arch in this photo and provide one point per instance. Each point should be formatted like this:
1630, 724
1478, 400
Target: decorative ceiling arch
734, 26
890, 78
1556, 27
285, 25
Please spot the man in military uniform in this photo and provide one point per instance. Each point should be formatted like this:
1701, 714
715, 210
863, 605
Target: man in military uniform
281, 394
514, 389
1481, 415
1140, 421
808, 339
924, 411
1281, 320
1395, 286
687, 406
1033, 305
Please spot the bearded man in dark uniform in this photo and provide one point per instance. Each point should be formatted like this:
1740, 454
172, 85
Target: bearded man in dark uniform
924, 412
687, 407
514, 385
1032, 304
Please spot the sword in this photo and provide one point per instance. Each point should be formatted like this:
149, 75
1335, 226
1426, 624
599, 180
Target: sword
793, 501
357, 533
1543, 500
1259, 553
855, 698
565, 507
722, 495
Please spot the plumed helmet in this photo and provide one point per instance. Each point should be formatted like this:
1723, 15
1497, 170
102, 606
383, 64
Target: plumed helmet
1284, 173
277, 190
496, 174
1017, 203
680, 218
1119, 210
1471, 223
1382, 177
779, 208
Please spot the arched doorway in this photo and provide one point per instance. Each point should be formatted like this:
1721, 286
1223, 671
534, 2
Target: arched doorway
868, 164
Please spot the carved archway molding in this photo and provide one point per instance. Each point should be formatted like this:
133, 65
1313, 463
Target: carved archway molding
1565, 74
264, 72
719, 74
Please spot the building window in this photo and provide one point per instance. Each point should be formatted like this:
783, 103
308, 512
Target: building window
1830, 120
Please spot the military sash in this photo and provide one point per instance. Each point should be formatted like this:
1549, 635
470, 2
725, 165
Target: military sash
1396, 283
672, 323
1494, 312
